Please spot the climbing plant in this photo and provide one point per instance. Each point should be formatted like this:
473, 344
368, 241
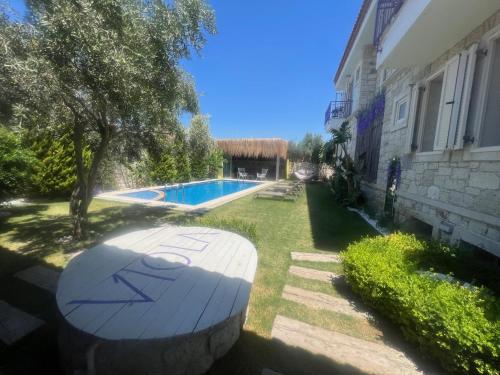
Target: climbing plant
393, 181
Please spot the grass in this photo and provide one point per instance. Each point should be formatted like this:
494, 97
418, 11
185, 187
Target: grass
31, 235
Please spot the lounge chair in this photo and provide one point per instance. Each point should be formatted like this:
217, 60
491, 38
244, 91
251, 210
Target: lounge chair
284, 190
242, 174
262, 176
276, 195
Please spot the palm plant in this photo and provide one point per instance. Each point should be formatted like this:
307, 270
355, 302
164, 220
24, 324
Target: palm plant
346, 171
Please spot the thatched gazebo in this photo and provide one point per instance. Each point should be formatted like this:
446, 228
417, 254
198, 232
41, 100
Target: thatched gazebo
255, 154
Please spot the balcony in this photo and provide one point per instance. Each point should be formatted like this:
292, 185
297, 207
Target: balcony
416, 32
338, 110
386, 10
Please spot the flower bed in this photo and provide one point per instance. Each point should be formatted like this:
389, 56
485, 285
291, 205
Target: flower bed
458, 326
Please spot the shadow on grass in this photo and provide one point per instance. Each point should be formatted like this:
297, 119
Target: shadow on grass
333, 227
36, 353
252, 353
40, 235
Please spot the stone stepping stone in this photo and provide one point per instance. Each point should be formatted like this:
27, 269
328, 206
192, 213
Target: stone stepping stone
322, 301
315, 257
41, 277
267, 371
309, 273
15, 323
364, 355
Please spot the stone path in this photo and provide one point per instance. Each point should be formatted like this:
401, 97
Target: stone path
267, 371
315, 257
309, 273
41, 277
322, 301
15, 323
364, 355
367, 356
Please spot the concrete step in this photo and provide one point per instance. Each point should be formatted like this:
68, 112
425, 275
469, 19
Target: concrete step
322, 301
15, 323
364, 355
312, 274
40, 276
315, 257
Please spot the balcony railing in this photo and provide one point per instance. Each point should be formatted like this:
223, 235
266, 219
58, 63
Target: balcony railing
386, 10
338, 109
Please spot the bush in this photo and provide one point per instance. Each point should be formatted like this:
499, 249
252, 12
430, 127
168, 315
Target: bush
243, 228
164, 171
55, 174
458, 326
16, 165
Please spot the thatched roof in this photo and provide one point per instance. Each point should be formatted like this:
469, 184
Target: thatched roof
254, 147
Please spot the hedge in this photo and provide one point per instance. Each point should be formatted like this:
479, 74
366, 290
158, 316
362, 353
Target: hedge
456, 325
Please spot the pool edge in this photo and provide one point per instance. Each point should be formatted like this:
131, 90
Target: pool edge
208, 205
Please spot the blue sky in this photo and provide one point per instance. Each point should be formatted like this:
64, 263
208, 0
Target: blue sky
268, 72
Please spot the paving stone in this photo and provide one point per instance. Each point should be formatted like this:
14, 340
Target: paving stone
315, 257
309, 273
267, 371
15, 323
41, 277
364, 355
322, 301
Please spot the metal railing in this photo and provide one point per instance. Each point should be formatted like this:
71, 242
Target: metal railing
386, 10
338, 109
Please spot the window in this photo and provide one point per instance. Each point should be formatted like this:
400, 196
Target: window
489, 134
431, 112
400, 111
439, 106
358, 73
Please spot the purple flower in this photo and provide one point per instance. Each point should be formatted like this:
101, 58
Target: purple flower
373, 112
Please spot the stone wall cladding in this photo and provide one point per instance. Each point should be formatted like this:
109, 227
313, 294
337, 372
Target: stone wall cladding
454, 184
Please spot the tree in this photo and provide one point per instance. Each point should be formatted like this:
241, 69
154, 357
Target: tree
55, 173
309, 149
16, 164
111, 66
203, 152
165, 170
181, 153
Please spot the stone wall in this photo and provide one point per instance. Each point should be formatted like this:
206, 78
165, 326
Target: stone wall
459, 197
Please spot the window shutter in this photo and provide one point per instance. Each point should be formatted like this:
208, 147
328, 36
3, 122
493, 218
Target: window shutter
457, 137
447, 104
414, 94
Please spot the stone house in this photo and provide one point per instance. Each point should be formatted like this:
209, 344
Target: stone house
437, 65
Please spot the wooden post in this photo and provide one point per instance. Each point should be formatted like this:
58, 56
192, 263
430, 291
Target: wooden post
231, 167
277, 167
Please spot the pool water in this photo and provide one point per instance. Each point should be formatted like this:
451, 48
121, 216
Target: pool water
193, 194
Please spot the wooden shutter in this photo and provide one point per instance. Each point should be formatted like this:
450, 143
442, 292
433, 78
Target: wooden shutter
447, 104
457, 133
412, 118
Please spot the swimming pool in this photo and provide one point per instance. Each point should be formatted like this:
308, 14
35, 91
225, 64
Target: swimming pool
191, 194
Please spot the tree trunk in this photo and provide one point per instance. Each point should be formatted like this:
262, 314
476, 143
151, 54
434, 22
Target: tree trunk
82, 194
79, 205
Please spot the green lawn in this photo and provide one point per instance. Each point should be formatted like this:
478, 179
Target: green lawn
30, 235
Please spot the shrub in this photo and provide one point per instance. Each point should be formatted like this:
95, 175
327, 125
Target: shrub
244, 228
55, 174
164, 171
16, 164
458, 326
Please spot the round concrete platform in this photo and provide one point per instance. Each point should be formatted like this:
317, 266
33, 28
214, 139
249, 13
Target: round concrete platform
166, 300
